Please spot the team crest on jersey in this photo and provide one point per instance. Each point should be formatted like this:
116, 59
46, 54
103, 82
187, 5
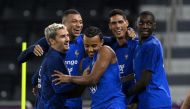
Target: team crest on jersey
126, 57
77, 53
93, 89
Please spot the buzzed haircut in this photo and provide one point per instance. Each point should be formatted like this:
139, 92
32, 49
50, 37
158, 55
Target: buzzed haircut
117, 12
145, 13
67, 12
93, 31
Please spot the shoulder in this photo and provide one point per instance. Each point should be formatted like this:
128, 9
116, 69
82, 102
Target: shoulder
133, 43
42, 40
79, 39
53, 57
106, 50
152, 46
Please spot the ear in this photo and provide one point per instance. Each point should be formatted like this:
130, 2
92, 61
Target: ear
127, 22
51, 41
109, 24
102, 41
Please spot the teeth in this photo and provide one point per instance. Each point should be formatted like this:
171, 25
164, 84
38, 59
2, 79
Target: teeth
118, 30
77, 29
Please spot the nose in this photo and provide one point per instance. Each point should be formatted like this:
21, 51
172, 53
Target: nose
79, 24
67, 38
90, 49
117, 24
145, 25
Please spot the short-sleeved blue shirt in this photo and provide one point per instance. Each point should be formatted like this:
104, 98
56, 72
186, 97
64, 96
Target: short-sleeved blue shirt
149, 56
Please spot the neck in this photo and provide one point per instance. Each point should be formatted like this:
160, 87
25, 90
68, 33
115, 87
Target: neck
56, 49
121, 41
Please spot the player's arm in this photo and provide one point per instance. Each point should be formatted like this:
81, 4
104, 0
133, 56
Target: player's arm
85, 66
38, 49
108, 40
104, 58
81, 66
141, 84
57, 64
127, 78
186, 102
35, 83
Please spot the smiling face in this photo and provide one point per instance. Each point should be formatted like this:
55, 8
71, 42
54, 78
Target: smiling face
118, 25
92, 44
61, 40
145, 25
74, 25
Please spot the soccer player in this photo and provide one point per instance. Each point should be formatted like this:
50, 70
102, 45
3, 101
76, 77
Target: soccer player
58, 39
104, 77
151, 86
73, 21
124, 46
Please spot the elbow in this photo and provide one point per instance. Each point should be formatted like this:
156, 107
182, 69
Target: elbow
93, 81
19, 59
89, 80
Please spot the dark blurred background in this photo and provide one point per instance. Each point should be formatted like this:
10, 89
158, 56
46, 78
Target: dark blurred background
25, 20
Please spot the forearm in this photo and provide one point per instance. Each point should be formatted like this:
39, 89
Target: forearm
186, 103
139, 87
141, 84
26, 55
82, 80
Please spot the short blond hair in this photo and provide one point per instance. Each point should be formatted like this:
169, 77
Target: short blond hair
51, 31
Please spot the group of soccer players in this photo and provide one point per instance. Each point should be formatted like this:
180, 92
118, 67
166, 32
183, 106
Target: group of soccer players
121, 71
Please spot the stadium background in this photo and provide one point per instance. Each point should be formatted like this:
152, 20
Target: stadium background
25, 20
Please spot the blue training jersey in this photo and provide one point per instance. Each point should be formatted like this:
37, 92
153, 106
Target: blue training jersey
73, 57
124, 55
72, 60
107, 91
149, 56
86, 63
50, 94
28, 53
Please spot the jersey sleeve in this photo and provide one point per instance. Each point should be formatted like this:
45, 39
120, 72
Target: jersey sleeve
58, 64
108, 40
28, 53
150, 57
35, 78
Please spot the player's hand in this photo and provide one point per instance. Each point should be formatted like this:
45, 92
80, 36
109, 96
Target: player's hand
127, 78
131, 33
35, 90
86, 71
38, 51
60, 77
